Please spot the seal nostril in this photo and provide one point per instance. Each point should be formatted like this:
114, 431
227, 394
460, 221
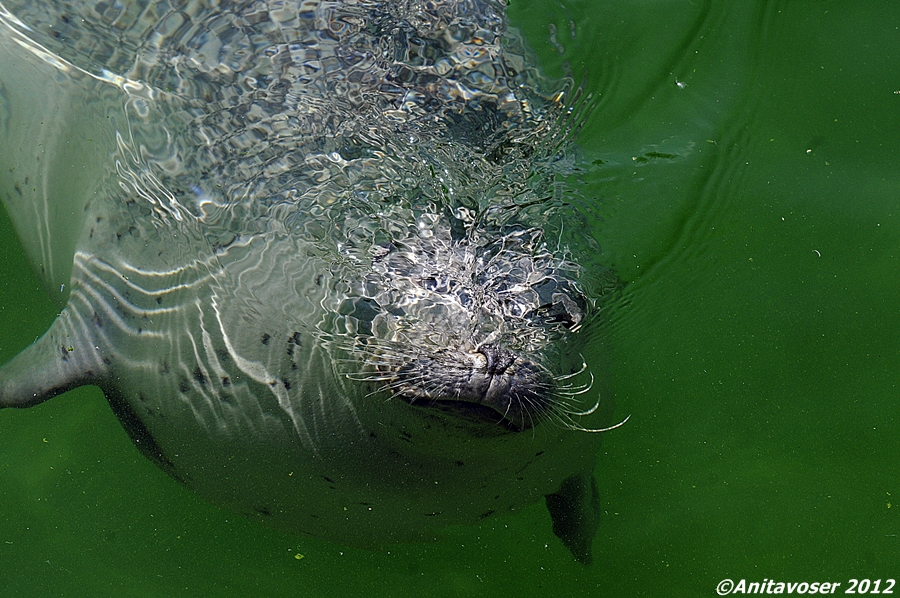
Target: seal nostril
498, 359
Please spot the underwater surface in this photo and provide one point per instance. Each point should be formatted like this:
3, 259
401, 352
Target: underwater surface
743, 161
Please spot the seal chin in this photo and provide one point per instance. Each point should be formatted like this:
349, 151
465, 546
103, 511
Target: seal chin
491, 385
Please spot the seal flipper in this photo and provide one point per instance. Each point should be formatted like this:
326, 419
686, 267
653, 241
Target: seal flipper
575, 511
60, 360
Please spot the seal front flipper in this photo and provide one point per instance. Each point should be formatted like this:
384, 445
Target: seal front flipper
575, 511
60, 360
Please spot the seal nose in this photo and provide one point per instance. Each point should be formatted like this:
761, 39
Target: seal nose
498, 359
491, 385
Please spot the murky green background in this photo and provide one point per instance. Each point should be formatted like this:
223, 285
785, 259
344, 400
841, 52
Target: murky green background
747, 182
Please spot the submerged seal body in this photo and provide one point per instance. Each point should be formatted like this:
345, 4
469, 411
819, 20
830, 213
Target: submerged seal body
310, 251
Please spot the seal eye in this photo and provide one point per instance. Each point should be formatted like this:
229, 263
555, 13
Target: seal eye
362, 309
560, 303
443, 285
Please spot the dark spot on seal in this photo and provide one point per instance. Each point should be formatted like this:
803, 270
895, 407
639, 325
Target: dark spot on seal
287, 384
487, 514
459, 463
265, 338
226, 381
159, 299
327, 479
293, 341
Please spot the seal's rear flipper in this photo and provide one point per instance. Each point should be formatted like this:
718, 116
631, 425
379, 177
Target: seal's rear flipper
58, 361
575, 511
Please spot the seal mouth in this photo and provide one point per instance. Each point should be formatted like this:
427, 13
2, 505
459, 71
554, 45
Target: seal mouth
490, 385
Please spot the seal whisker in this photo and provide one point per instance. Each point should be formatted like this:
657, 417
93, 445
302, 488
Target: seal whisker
580, 371
587, 412
606, 429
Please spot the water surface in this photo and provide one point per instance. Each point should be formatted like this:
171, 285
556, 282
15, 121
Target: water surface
743, 164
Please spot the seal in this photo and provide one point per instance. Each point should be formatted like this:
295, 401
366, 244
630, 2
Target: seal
314, 253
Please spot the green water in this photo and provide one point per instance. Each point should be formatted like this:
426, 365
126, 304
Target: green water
747, 185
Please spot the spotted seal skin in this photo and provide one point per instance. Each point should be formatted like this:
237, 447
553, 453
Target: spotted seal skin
314, 253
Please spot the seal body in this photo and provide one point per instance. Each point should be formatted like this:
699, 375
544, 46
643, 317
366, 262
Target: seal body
311, 252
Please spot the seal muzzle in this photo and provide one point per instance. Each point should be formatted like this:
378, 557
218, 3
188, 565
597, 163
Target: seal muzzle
491, 384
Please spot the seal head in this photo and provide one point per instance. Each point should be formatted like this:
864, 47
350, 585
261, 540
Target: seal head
471, 326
